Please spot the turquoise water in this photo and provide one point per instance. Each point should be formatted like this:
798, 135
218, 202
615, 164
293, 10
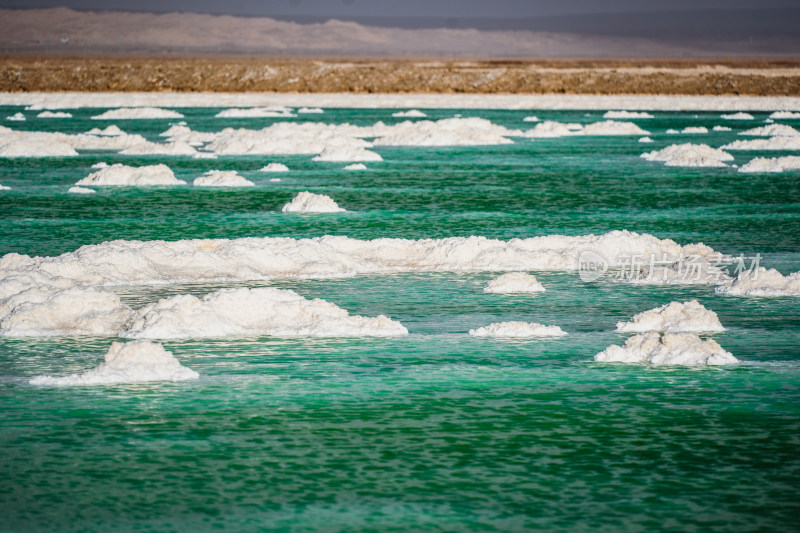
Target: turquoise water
435, 431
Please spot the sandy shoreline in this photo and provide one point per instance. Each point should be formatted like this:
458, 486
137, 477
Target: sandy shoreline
361, 76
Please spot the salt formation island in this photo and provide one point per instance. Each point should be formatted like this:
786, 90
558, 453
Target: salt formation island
120, 175
771, 164
132, 113
274, 167
253, 312
514, 282
132, 362
222, 178
762, 282
674, 317
517, 330
689, 155
669, 349
308, 202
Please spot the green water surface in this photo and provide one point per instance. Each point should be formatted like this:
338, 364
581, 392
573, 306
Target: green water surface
436, 431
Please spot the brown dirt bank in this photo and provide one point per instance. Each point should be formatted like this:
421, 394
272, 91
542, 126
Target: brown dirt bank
242, 74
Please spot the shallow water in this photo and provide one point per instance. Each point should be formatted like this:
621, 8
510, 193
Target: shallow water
437, 430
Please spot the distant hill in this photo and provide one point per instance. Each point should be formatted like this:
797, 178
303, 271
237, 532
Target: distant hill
681, 34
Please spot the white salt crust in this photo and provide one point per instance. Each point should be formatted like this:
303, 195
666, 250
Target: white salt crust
54, 114
772, 143
274, 167
627, 114
689, 155
670, 349
308, 202
762, 282
772, 164
126, 262
514, 282
517, 330
222, 178
738, 116
773, 130
80, 190
675, 317
124, 176
132, 113
257, 112
411, 113
59, 100
253, 312
131, 362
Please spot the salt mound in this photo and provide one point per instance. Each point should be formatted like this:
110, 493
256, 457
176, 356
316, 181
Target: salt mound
627, 114
109, 131
5, 188
689, 155
684, 349
674, 317
308, 202
34, 144
101, 164
610, 127
131, 362
250, 312
411, 113
222, 178
151, 148
347, 153
784, 114
772, 164
124, 262
52, 114
129, 113
773, 143
738, 116
694, 129
16, 117
356, 166
257, 112
531, 118
721, 128
645, 140
123, 176
446, 132
274, 167
549, 128
762, 282
81, 190
517, 330
84, 141
514, 282
204, 155
280, 138
773, 130
310, 110
44, 311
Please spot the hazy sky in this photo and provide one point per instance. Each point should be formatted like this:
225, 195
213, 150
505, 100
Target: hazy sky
406, 8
